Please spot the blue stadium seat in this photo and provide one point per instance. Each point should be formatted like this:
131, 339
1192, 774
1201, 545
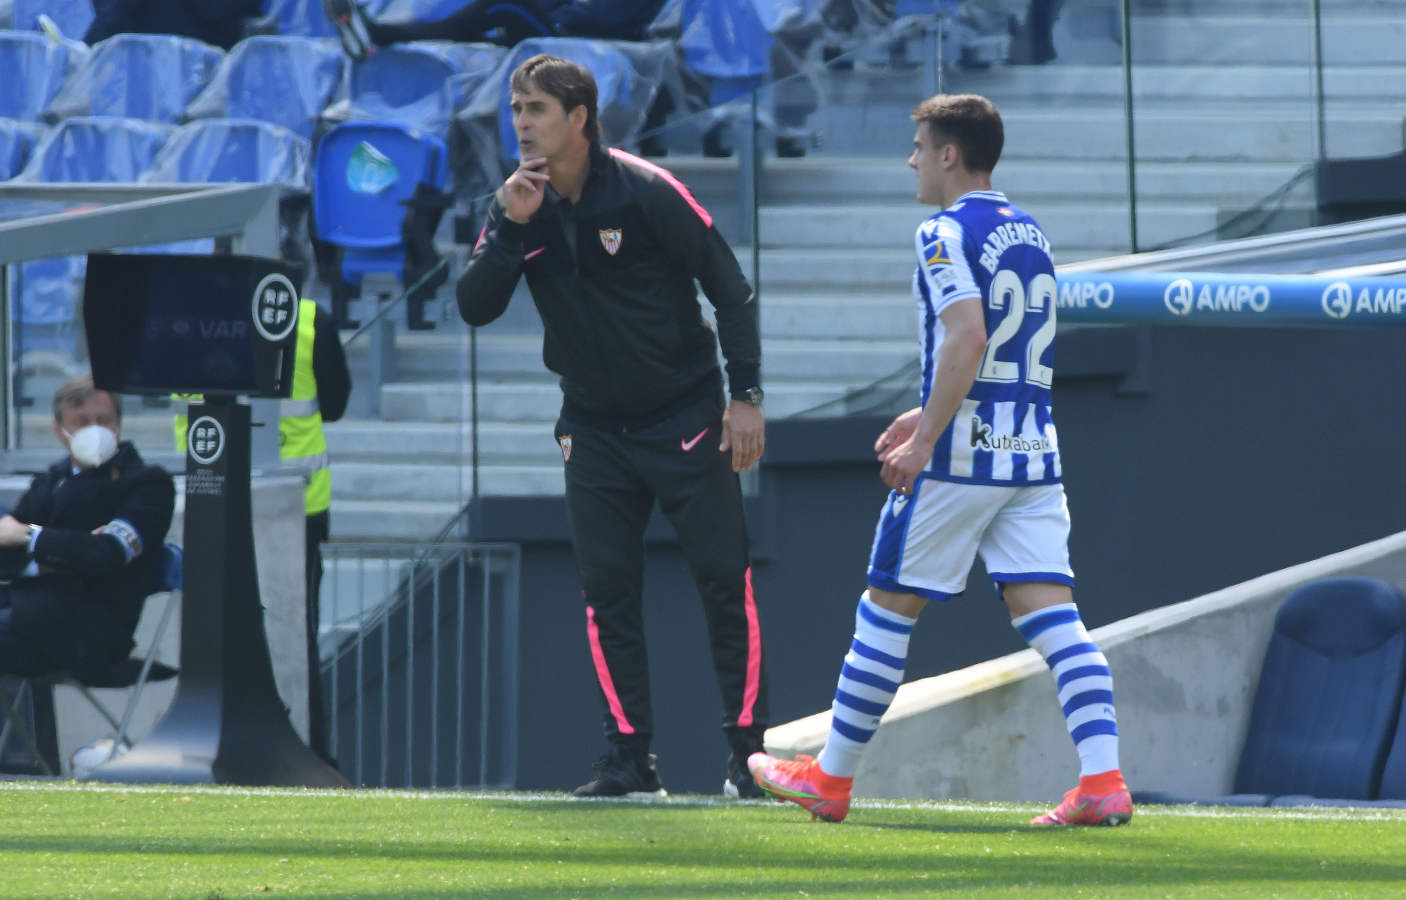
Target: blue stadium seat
233, 150
420, 85
1328, 700
1392, 791
138, 76
36, 69
81, 149
17, 140
279, 79
1329, 692
727, 40
304, 18
96, 148
363, 174
72, 16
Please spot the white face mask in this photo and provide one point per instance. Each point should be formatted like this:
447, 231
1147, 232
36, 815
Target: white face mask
92, 445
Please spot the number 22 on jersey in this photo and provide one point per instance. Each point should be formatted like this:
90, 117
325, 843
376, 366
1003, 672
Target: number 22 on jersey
1019, 299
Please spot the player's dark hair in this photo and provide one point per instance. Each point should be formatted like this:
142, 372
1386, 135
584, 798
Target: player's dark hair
75, 392
968, 120
572, 84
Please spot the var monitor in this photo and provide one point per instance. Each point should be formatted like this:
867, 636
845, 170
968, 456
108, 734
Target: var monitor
213, 325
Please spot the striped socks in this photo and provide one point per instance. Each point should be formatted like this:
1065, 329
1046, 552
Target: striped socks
872, 672
1085, 685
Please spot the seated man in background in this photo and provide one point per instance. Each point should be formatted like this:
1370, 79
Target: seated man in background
217, 22
504, 22
80, 551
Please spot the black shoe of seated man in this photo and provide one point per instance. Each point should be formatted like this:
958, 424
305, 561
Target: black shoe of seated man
713, 146
739, 784
622, 773
352, 28
790, 148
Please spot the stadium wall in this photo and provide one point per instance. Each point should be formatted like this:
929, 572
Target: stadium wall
1184, 676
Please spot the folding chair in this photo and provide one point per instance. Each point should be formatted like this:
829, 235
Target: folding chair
134, 672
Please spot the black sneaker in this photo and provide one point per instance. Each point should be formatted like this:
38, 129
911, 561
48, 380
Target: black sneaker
739, 784
350, 21
620, 774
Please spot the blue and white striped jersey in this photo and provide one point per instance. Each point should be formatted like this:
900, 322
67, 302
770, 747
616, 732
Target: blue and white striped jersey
982, 246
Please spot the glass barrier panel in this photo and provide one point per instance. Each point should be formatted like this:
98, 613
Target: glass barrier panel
1224, 119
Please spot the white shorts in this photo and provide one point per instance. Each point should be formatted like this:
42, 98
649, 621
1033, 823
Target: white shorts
925, 544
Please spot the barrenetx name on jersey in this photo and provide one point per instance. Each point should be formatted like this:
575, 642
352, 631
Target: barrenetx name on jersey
1003, 237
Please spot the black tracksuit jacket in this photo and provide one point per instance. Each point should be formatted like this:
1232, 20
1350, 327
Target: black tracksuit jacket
613, 279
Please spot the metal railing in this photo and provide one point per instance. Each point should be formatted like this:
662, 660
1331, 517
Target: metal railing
420, 656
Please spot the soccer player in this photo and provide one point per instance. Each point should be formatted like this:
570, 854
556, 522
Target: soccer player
974, 469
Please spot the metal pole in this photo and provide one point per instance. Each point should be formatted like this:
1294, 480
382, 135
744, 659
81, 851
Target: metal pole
473, 411
1128, 118
434, 683
754, 162
330, 555
385, 696
360, 687
459, 626
508, 725
9, 377
410, 675
485, 675
1319, 101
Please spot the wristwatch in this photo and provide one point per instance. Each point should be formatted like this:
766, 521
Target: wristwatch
752, 395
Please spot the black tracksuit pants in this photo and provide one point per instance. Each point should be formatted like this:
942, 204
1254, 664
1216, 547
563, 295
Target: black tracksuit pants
613, 478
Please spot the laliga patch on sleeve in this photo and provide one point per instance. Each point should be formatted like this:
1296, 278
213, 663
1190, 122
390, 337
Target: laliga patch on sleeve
127, 535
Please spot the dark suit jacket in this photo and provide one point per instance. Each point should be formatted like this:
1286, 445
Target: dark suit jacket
83, 612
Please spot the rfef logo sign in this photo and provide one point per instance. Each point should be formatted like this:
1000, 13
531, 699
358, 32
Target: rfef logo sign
205, 440
275, 307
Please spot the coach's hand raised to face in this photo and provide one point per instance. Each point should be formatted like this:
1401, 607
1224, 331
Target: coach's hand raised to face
521, 195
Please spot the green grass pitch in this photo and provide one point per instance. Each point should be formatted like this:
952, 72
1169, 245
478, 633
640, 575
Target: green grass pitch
66, 840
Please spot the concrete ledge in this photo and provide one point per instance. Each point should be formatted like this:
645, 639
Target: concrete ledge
1184, 680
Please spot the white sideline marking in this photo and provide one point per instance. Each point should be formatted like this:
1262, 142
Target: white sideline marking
1348, 813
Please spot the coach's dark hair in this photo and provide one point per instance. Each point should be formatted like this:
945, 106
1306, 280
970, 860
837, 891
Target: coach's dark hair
968, 120
572, 84
75, 392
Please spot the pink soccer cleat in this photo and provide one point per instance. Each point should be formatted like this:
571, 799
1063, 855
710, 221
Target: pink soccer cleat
802, 782
1080, 807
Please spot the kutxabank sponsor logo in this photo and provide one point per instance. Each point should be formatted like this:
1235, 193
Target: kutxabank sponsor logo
1182, 297
982, 438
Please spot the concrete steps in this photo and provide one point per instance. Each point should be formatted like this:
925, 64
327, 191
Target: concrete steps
829, 179
1084, 225
516, 359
